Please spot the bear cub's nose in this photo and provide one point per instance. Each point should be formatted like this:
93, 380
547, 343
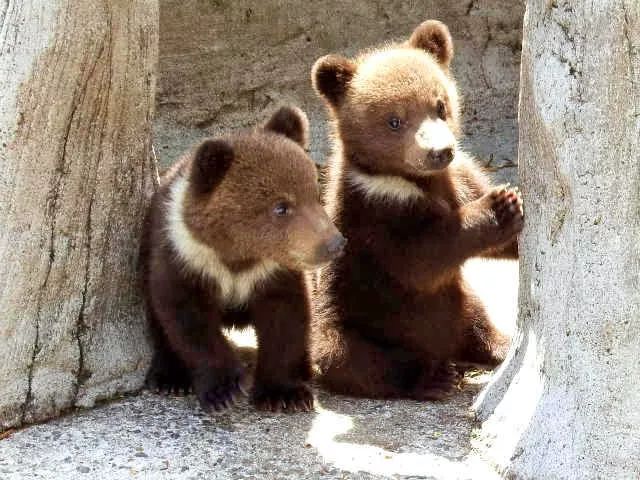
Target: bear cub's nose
336, 245
441, 158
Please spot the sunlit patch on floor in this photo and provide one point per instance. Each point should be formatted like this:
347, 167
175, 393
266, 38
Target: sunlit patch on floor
521, 401
328, 426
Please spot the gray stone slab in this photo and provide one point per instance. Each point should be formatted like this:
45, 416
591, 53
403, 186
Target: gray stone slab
153, 436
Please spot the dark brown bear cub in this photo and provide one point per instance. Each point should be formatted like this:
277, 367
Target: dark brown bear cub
394, 312
228, 235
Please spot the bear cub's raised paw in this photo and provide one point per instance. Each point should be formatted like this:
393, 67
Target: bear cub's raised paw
506, 216
506, 205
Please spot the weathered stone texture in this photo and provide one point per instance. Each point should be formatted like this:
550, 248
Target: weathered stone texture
77, 82
227, 64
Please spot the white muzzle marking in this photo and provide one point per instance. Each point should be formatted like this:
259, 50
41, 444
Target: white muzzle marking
435, 135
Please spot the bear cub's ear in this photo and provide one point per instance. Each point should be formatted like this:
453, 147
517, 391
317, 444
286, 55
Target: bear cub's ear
433, 37
210, 164
331, 75
292, 123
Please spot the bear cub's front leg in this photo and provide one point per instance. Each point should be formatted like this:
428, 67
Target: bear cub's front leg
281, 320
219, 388
222, 379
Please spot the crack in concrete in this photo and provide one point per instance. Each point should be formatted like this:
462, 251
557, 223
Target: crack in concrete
36, 350
81, 326
485, 47
54, 195
625, 31
51, 212
4, 9
470, 7
52, 209
630, 53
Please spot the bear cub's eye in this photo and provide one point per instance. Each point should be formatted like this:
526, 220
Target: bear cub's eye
394, 123
282, 209
442, 110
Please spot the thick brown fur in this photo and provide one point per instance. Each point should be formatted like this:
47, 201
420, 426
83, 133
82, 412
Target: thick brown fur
228, 236
394, 313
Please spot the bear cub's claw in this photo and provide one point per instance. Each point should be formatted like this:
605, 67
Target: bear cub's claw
506, 205
219, 390
164, 385
167, 375
283, 398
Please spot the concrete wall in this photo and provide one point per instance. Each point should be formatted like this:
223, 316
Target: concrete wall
229, 64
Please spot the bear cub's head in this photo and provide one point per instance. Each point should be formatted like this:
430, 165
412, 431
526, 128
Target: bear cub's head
396, 108
254, 197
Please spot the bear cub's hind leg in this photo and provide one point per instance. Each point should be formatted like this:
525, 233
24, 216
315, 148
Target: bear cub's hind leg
483, 343
354, 365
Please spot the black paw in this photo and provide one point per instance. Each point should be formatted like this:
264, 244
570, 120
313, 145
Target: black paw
438, 382
283, 398
167, 374
219, 389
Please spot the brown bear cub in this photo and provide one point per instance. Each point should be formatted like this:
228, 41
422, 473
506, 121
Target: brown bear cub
228, 235
394, 313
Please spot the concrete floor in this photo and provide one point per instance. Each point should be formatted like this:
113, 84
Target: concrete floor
165, 437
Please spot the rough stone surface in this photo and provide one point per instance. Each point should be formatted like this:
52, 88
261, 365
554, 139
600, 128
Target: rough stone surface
77, 81
152, 436
564, 405
227, 65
